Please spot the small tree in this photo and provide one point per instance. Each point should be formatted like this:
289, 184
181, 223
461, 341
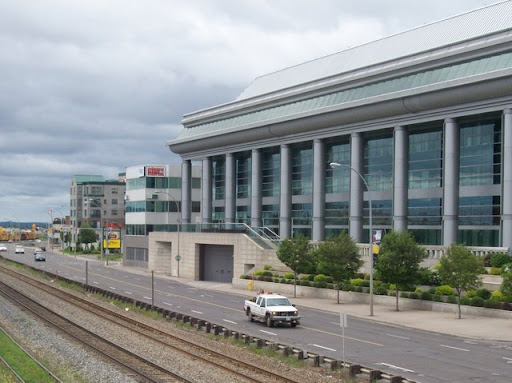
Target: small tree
399, 260
297, 255
506, 284
461, 269
87, 235
338, 257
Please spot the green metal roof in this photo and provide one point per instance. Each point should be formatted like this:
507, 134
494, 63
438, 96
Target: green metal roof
315, 105
80, 179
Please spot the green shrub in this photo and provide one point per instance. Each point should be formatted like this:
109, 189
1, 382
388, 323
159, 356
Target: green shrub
432, 290
347, 287
497, 296
381, 290
282, 280
500, 259
305, 283
330, 286
366, 283
267, 278
492, 304
495, 271
259, 273
319, 278
392, 286
267, 267
404, 294
413, 295
470, 293
418, 290
483, 293
311, 277
267, 273
444, 290
386, 286
465, 301
276, 279
288, 275
477, 301
304, 277
356, 282
425, 296
392, 293
452, 299
358, 289
437, 297
329, 279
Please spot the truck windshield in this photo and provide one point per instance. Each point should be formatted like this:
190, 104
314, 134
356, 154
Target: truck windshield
278, 302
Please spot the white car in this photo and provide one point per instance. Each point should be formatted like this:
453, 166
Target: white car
3, 247
19, 250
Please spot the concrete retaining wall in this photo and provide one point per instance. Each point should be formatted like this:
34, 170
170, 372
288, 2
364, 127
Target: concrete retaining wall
352, 297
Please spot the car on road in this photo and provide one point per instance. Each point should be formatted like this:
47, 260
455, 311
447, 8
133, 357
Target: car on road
38, 250
39, 257
19, 250
3, 247
272, 309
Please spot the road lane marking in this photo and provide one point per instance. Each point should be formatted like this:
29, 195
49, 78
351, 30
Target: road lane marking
229, 321
128, 292
339, 336
95, 283
111, 287
395, 367
268, 332
509, 360
197, 312
325, 348
167, 303
398, 336
148, 298
455, 348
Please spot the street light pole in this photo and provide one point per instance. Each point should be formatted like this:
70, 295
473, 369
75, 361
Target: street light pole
370, 248
178, 256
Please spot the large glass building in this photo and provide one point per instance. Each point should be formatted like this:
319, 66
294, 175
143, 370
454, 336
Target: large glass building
424, 116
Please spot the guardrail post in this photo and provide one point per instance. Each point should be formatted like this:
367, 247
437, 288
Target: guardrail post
395, 379
374, 375
354, 370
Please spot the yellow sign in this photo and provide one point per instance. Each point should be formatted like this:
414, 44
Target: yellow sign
112, 243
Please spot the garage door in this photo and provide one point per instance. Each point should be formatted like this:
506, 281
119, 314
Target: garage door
217, 263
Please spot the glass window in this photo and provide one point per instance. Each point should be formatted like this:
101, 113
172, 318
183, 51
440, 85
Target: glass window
270, 182
378, 163
480, 210
480, 152
218, 178
270, 216
196, 183
243, 174
382, 213
218, 215
302, 169
337, 179
425, 211
302, 219
425, 159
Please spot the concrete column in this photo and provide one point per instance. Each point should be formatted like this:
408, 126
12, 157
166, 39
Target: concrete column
506, 195
230, 200
286, 193
450, 182
319, 171
356, 188
206, 191
400, 184
256, 188
186, 191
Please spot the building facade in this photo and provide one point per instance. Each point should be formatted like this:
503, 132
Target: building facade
96, 202
154, 204
423, 118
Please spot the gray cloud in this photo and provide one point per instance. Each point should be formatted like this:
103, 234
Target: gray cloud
94, 86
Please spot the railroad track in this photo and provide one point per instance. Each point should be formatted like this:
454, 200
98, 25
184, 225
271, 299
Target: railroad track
247, 372
145, 370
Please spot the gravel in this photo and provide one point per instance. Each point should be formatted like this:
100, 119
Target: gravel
81, 365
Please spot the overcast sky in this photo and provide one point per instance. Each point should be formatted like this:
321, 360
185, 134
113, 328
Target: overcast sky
94, 86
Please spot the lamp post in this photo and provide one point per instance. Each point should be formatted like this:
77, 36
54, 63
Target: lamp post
370, 248
178, 256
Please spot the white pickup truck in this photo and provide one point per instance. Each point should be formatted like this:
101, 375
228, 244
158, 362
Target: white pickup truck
272, 309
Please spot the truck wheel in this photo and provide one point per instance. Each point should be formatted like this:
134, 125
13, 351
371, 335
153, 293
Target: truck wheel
294, 324
269, 322
250, 316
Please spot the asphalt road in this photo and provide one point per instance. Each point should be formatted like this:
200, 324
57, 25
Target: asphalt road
414, 354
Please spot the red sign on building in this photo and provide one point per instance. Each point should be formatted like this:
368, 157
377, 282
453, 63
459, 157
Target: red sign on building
155, 171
